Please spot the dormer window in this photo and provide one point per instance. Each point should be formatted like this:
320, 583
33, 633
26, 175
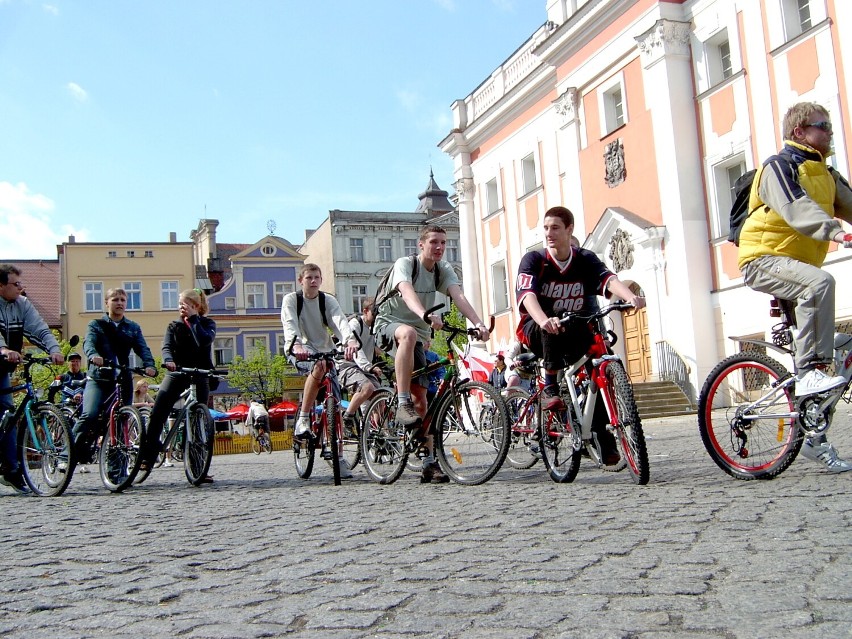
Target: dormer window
268, 250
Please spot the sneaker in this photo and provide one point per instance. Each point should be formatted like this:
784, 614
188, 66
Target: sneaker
550, 399
345, 471
303, 430
168, 464
16, 481
815, 381
82, 468
433, 474
826, 454
350, 426
407, 416
535, 450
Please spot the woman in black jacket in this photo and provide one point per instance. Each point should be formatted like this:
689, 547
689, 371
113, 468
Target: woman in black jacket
187, 344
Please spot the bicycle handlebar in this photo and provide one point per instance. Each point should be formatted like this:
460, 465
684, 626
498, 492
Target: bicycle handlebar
187, 370
568, 317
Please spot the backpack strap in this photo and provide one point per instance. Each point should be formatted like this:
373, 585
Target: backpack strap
300, 304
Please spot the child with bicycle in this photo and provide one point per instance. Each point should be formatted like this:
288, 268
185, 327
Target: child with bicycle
554, 280
795, 202
361, 376
401, 328
188, 343
109, 340
306, 330
18, 319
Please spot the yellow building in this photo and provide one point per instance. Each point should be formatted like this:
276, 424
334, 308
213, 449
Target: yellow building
152, 273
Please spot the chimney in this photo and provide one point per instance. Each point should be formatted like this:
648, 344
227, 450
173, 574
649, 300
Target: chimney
173, 237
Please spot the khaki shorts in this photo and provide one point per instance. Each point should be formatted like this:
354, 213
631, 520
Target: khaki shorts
386, 341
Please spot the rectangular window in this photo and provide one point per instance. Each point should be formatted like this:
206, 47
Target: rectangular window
282, 345
134, 295
282, 289
255, 295
726, 175
500, 286
725, 57
491, 196
452, 252
359, 294
255, 344
169, 296
230, 303
112, 254
529, 176
356, 249
223, 351
798, 16
149, 253
93, 293
717, 52
612, 103
385, 251
803, 8
131, 253
410, 247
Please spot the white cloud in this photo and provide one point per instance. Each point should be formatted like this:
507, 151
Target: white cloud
52, 9
27, 228
77, 92
447, 5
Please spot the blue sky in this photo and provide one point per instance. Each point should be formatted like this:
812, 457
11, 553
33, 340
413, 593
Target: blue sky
123, 120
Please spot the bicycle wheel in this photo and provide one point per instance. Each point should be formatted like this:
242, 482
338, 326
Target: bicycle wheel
744, 417
382, 440
46, 454
334, 429
266, 443
255, 445
119, 456
198, 447
304, 454
524, 429
352, 443
145, 414
473, 433
560, 443
627, 424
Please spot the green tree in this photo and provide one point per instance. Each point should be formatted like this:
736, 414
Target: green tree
260, 374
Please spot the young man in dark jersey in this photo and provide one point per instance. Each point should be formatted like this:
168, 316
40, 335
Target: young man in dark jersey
563, 278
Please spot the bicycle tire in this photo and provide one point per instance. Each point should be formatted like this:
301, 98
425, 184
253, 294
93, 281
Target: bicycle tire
352, 444
334, 430
560, 443
736, 392
383, 448
198, 446
472, 433
145, 414
627, 425
45, 454
523, 426
266, 443
119, 456
304, 453
255, 445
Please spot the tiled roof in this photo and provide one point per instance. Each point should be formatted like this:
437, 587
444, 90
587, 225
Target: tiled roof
41, 279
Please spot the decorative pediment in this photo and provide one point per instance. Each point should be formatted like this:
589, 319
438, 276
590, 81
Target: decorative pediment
271, 248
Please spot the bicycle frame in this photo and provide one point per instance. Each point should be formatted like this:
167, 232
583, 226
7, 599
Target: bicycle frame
25, 408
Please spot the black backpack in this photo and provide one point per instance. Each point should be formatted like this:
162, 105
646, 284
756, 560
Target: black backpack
742, 194
383, 294
300, 304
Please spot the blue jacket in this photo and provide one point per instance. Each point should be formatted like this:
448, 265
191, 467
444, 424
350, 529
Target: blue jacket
114, 343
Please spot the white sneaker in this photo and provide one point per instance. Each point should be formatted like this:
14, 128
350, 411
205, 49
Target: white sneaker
345, 471
303, 428
168, 464
82, 469
826, 454
815, 381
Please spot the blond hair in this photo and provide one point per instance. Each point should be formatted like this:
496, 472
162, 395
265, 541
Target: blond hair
197, 297
798, 115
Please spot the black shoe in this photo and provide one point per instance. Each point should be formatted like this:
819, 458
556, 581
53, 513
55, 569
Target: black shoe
433, 474
16, 481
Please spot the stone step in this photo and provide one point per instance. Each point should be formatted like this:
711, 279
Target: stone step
661, 399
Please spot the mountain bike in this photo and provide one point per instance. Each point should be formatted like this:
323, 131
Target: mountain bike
44, 436
468, 420
117, 439
261, 443
188, 434
566, 433
326, 431
750, 420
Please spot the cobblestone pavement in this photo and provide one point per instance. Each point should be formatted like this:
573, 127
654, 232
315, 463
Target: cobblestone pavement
261, 553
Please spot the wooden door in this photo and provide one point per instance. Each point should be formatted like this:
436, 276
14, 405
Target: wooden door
637, 345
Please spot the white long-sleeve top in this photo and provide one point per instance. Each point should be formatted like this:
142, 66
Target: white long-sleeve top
309, 329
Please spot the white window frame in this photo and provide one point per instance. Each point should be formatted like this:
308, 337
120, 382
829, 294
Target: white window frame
281, 343
356, 249
451, 251
359, 294
500, 286
724, 191
169, 295
492, 196
93, 297
149, 253
607, 92
719, 66
131, 253
280, 289
254, 343
410, 246
529, 173
385, 245
223, 345
133, 289
112, 253
230, 303
255, 295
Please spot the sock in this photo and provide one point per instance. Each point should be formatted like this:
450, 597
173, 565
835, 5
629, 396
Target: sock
404, 398
549, 379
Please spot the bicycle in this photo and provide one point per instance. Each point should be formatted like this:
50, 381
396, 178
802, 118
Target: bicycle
326, 429
468, 419
750, 420
44, 445
566, 434
117, 440
261, 443
189, 436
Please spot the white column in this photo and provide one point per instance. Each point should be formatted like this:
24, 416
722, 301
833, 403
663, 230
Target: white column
469, 240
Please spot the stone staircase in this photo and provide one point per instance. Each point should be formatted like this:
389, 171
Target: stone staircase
661, 399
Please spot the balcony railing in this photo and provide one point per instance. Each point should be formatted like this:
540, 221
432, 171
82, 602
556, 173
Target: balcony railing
671, 367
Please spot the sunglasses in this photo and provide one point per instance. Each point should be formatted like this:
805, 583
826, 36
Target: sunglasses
822, 126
